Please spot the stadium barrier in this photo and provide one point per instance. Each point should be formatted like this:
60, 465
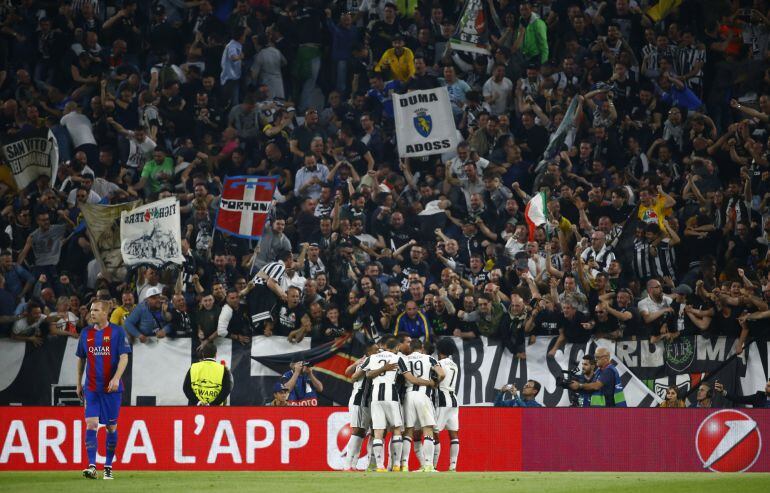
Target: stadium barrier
314, 439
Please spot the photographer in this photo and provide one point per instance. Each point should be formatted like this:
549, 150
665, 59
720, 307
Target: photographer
302, 384
606, 389
525, 398
587, 375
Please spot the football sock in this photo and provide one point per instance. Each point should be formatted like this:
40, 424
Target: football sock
370, 451
427, 449
112, 443
436, 452
418, 451
454, 451
406, 449
378, 453
91, 446
354, 450
397, 445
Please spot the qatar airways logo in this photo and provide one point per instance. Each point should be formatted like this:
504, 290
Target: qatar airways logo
99, 350
728, 441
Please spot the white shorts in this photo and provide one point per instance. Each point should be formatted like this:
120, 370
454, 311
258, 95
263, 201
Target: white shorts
418, 409
448, 418
360, 417
385, 414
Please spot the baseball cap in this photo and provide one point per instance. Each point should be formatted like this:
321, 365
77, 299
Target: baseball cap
154, 291
682, 289
278, 387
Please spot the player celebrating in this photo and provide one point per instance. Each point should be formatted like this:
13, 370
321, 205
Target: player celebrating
448, 412
103, 352
383, 368
358, 406
418, 406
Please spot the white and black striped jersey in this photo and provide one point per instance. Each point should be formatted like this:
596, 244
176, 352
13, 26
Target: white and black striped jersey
420, 365
276, 270
685, 60
603, 257
384, 385
665, 261
445, 394
362, 391
641, 259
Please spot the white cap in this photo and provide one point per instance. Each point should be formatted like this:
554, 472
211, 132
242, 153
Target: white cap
153, 291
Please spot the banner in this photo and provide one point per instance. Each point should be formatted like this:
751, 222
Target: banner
47, 375
472, 33
103, 229
245, 204
151, 234
558, 138
30, 154
315, 439
424, 122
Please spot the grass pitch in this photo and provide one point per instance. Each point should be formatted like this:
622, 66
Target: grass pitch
337, 482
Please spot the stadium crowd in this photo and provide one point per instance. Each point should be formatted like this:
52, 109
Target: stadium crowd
658, 201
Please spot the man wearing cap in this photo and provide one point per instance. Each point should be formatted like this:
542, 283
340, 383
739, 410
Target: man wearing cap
146, 320
398, 60
686, 319
280, 396
208, 382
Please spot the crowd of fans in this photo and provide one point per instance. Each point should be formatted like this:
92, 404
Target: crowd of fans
668, 157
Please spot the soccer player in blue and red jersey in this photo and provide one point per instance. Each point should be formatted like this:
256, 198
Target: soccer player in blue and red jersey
103, 353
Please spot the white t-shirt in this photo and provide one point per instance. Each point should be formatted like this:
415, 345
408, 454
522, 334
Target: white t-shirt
650, 306
79, 128
139, 152
501, 91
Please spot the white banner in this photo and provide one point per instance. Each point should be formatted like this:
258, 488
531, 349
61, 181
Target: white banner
33, 154
485, 366
151, 234
424, 123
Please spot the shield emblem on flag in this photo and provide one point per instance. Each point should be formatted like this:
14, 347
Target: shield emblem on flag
423, 123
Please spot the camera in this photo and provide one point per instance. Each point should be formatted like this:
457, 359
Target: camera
565, 378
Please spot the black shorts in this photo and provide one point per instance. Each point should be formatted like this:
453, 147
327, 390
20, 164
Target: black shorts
261, 302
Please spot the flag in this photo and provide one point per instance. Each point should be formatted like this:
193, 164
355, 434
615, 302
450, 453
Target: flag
560, 136
245, 204
536, 213
102, 223
472, 33
424, 123
661, 9
152, 234
30, 154
329, 360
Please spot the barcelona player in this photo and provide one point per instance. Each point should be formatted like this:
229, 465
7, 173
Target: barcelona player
103, 353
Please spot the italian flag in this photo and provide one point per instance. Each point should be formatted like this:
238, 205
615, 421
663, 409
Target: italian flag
536, 213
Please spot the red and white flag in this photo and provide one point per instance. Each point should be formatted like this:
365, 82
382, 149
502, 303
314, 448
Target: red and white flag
536, 213
245, 204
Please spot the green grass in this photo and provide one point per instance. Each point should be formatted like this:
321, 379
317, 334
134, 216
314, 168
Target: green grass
316, 482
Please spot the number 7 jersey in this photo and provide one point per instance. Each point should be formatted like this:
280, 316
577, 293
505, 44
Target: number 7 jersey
446, 389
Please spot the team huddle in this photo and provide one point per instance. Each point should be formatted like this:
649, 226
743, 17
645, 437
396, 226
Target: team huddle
399, 388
